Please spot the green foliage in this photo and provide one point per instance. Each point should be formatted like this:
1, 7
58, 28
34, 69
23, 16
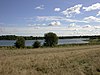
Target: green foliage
20, 42
36, 44
51, 39
94, 40
8, 37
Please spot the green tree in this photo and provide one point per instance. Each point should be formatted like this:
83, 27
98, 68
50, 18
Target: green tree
36, 44
20, 42
51, 39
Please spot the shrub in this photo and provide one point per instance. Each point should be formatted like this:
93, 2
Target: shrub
20, 42
36, 44
51, 39
94, 40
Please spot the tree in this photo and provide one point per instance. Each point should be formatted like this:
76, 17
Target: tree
51, 39
20, 42
36, 44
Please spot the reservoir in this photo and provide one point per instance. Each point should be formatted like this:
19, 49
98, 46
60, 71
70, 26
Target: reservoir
30, 42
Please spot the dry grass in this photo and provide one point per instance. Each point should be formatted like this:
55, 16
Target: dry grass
79, 60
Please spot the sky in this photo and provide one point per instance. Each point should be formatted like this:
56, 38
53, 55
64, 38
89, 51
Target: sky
37, 17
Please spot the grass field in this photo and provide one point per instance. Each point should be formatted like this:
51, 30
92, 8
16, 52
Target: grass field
78, 60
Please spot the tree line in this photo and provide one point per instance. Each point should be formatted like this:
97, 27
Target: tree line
14, 37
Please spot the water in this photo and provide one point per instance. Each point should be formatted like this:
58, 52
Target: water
30, 42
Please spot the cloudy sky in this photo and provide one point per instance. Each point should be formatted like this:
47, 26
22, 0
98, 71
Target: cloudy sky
37, 17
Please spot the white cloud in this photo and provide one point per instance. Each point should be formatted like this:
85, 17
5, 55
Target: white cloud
92, 7
57, 9
57, 18
36, 25
72, 25
55, 23
92, 19
41, 7
87, 26
59, 30
72, 10
97, 27
48, 18
98, 14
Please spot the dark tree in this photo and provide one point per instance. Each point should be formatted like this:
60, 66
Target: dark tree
36, 44
51, 39
20, 42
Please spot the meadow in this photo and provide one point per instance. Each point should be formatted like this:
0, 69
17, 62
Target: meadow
75, 60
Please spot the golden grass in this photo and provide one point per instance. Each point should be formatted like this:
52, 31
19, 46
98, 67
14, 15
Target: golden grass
79, 60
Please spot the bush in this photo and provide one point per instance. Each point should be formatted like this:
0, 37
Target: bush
94, 41
51, 39
20, 42
36, 44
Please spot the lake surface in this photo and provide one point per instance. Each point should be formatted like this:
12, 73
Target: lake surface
30, 42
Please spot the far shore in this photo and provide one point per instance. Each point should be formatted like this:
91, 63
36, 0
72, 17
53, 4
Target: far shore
14, 37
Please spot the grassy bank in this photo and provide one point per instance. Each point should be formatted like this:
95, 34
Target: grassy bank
61, 45
77, 60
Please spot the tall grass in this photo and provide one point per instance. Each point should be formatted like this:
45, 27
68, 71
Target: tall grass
78, 60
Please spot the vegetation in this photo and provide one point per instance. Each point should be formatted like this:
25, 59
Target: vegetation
20, 42
32, 38
51, 39
80, 60
36, 44
14, 37
94, 40
71, 37
8, 37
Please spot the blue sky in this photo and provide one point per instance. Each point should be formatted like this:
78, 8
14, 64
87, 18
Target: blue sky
36, 17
